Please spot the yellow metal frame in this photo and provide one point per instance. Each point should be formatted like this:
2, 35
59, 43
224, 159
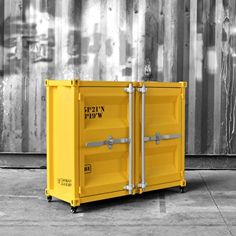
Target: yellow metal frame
65, 96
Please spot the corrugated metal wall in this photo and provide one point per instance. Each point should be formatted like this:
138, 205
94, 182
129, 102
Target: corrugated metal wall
211, 113
160, 40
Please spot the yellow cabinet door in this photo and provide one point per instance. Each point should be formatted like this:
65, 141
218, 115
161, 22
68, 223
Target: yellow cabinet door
160, 152
104, 140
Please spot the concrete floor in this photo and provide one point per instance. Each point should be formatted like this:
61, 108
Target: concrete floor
207, 208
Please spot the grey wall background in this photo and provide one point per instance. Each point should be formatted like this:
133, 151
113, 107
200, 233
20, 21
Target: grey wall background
124, 40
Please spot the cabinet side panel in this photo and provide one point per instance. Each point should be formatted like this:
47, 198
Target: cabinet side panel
61, 143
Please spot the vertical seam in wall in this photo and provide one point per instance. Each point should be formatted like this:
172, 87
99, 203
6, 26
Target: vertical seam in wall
192, 85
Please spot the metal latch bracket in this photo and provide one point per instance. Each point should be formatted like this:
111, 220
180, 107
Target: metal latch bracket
130, 89
143, 89
158, 137
142, 185
129, 188
109, 142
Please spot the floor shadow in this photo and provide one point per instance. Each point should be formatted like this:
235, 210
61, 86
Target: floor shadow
203, 180
196, 183
125, 200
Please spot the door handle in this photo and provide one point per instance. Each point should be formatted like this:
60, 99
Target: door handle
109, 142
158, 137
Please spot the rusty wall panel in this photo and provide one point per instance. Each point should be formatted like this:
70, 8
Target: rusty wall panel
231, 86
124, 40
186, 62
170, 40
1, 69
12, 80
211, 123
107, 40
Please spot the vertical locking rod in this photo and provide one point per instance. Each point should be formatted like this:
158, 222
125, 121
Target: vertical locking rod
143, 91
130, 90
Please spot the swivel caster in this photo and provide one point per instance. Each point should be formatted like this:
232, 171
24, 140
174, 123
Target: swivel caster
49, 198
74, 209
182, 189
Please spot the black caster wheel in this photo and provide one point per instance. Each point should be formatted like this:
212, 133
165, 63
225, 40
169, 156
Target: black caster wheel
74, 210
49, 198
182, 189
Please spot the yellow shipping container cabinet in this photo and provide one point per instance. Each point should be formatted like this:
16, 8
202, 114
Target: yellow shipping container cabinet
111, 139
